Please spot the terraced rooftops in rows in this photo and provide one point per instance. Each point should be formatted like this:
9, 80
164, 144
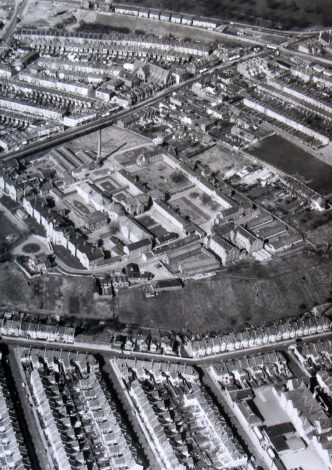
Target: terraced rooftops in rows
147, 42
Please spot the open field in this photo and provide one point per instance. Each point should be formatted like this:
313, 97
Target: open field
238, 296
54, 294
131, 24
287, 13
250, 294
296, 162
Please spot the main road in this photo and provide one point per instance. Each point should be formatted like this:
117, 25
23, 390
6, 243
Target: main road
107, 349
302, 55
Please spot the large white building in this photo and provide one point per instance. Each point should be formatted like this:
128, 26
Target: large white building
222, 248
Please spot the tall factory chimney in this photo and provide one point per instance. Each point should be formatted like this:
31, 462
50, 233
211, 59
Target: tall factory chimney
99, 145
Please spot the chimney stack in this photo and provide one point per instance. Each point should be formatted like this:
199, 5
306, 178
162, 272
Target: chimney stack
99, 145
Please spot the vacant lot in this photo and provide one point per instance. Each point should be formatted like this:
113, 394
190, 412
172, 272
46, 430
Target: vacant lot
250, 294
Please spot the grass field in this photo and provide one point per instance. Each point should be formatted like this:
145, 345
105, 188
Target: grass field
240, 295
